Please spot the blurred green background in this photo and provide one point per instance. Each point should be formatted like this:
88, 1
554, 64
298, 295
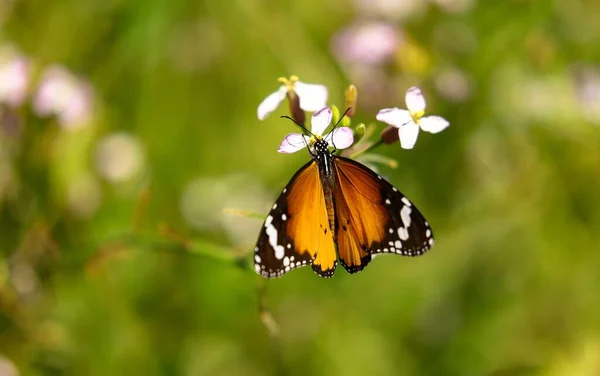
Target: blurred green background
128, 126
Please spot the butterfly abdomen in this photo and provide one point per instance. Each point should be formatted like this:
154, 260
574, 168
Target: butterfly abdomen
326, 174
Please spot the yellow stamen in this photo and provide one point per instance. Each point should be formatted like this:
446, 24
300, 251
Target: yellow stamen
417, 115
288, 82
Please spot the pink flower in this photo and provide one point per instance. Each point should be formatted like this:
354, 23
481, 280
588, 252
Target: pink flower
62, 94
340, 138
14, 80
408, 122
366, 42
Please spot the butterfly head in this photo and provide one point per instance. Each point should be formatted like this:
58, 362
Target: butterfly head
321, 146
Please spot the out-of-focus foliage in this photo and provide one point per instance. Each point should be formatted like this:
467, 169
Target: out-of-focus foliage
127, 127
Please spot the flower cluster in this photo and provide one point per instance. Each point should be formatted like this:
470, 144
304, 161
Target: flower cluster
58, 93
313, 98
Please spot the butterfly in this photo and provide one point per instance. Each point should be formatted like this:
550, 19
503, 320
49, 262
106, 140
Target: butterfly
335, 207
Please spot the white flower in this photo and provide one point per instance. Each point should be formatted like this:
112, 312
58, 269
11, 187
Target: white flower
408, 122
340, 138
312, 97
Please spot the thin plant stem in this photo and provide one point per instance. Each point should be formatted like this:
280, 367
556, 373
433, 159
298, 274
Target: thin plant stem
368, 148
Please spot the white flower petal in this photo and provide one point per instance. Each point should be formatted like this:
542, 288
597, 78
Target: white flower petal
312, 97
433, 124
394, 116
292, 143
320, 121
340, 138
408, 135
415, 101
270, 103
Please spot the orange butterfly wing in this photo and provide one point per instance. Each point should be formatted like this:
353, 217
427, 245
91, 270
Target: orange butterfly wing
296, 231
372, 217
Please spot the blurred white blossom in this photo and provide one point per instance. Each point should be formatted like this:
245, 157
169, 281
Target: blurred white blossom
62, 94
204, 200
15, 72
84, 195
23, 278
7, 367
587, 86
372, 42
119, 157
453, 85
521, 98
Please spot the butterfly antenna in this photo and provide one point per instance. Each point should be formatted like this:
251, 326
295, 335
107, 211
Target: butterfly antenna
304, 129
308, 147
298, 124
335, 126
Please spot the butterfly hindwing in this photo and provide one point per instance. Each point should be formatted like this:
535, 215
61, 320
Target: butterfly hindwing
296, 230
373, 217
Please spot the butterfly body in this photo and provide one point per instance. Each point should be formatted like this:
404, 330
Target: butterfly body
324, 160
335, 207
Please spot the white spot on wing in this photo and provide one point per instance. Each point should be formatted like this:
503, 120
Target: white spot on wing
272, 234
286, 261
406, 201
405, 215
398, 244
284, 217
403, 233
387, 201
279, 252
257, 268
257, 259
428, 233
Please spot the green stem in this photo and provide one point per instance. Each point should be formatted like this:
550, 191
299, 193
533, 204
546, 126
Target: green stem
362, 151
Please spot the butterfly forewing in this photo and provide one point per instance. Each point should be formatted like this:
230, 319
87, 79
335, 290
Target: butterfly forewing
296, 231
372, 217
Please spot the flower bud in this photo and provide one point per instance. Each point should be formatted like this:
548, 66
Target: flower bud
335, 117
350, 98
346, 121
359, 132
